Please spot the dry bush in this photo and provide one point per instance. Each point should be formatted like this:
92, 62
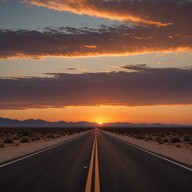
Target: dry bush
25, 139
7, 134
8, 140
33, 138
2, 145
16, 137
50, 136
175, 139
161, 142
37, 138
148, 137
165, 139
157, 138
186, 137
140, 136
25, 133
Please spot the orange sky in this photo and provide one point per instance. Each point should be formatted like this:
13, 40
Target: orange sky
180, 114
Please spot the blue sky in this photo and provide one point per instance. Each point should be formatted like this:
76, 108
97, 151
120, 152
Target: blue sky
16, 15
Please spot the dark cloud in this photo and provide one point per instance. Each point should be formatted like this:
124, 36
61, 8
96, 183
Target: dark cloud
73, 42
149, 86
136, 67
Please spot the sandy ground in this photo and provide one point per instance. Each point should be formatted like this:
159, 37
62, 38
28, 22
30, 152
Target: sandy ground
11, 151
181, 154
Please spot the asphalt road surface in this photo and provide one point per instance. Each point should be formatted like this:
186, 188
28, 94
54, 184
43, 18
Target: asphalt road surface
94, 162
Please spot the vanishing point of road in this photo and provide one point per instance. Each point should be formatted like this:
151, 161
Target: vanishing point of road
94, 161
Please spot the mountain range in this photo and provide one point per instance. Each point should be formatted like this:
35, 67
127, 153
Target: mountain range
6, 122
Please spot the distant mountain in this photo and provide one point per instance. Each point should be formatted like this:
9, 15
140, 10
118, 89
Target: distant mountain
6, 122
124, 124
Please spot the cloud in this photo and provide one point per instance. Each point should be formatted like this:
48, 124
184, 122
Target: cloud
144, 86
74, 42
150, 12
137, 67
70, 69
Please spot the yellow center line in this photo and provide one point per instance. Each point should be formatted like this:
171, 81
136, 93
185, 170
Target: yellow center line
89, 178
97, 182
90, 172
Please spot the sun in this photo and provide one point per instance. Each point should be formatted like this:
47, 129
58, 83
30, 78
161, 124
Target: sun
100, 123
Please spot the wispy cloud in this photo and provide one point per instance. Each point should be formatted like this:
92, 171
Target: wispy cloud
137, 67
73, 42
150, 12
70, 69
143, 86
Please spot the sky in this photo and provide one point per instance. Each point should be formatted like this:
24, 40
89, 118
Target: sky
96, 60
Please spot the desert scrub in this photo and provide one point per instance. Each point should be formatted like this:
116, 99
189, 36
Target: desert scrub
25, 139
16, 137
57, 135
165, 139
7, 135
161, 142
175, 139
2, 145
157, 138
186, 137
140, 136
37, 138
148, 137
50, 136
8, 140
25, 133
33, 139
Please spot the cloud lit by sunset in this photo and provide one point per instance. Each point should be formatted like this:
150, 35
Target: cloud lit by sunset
140, 12
85, 42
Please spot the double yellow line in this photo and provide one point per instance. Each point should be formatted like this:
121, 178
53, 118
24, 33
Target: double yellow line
90, 173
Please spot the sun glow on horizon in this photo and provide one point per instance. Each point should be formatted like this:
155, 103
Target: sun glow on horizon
180, 114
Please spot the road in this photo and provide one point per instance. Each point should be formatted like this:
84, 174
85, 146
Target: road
94, 162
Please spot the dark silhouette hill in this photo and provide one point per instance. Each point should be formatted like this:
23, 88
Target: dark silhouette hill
6, 122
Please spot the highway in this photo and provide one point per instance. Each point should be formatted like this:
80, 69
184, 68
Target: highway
97, 162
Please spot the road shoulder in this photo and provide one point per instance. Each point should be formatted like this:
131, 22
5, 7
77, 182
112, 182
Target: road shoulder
13, 152
178, 154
